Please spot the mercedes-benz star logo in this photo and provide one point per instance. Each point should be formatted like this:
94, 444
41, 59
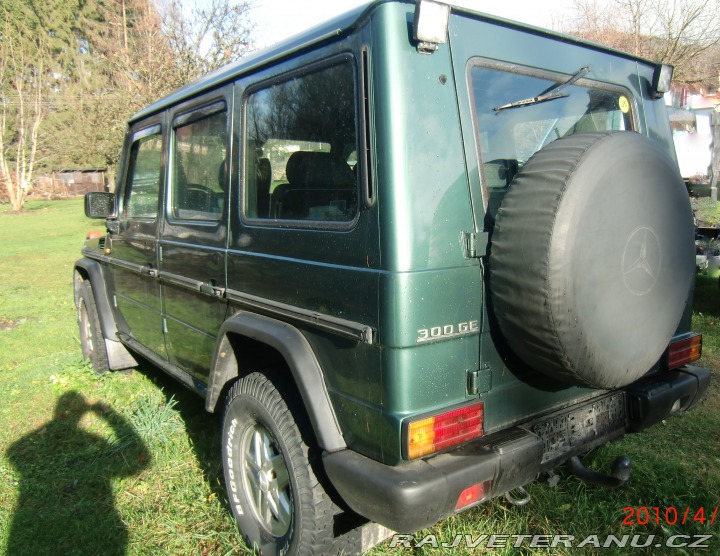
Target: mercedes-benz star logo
641, 261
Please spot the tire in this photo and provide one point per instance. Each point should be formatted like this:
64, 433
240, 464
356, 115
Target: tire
92, 340
278, 503
591, 260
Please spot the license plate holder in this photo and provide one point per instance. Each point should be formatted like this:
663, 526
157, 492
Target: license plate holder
568, 431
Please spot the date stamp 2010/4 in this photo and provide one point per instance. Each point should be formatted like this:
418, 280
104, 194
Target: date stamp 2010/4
654, 515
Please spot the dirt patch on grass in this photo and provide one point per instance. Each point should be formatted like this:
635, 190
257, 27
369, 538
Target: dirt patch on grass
7, 324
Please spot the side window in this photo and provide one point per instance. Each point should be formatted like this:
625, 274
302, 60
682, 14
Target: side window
145, 165
198, 183
301, 139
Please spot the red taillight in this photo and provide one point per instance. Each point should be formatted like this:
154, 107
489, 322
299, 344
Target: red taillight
685, 351
471, 495
439, 432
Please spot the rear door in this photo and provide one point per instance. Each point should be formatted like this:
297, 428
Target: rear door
134, 248
194, 233
501, 70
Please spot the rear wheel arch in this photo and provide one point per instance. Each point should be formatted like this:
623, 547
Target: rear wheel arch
269, 344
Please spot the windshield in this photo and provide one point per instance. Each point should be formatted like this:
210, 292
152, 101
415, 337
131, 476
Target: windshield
506, 139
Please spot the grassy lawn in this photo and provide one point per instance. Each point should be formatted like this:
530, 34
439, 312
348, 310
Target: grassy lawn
129, 463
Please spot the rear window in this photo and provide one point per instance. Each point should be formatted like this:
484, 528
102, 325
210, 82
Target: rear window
510, 127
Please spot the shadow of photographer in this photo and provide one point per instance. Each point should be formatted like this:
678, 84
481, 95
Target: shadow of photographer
66, 503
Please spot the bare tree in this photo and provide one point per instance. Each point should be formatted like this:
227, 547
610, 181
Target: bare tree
675, 32
204, 39
130, 63
141, 50
689, 28
102, 61
22, 71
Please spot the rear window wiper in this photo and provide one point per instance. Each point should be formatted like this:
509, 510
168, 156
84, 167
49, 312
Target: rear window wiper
549, 94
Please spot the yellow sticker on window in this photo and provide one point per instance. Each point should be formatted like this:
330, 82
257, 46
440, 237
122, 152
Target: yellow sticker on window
624, 104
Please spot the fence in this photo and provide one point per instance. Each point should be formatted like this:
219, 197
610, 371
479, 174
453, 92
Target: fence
70, 183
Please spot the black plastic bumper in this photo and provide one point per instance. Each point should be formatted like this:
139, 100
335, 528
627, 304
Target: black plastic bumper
411, 496
655, 397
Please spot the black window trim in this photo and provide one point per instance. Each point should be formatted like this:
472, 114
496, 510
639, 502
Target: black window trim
298, 71
152, 129
366, 131
194, 114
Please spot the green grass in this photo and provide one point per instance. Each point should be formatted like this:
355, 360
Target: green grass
706, 211
130, 464
140, 472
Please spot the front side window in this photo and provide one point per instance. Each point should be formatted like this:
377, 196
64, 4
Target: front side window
143, 184
300, 148
199, 166
510, 127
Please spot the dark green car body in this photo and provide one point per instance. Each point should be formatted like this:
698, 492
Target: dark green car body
377, 305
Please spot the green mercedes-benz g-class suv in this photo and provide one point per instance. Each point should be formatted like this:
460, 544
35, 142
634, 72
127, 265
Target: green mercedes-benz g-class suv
415, 257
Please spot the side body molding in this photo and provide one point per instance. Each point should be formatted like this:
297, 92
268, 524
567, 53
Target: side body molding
298, 354
118, 355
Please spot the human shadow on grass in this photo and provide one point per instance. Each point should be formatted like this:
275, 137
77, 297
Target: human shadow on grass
66, 504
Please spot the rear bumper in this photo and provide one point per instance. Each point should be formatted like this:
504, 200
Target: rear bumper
417, 494
657, 396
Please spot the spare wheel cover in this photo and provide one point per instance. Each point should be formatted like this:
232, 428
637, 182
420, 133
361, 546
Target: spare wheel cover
591, 260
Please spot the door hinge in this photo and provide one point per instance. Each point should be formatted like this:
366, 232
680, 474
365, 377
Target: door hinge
476, 244
479, 381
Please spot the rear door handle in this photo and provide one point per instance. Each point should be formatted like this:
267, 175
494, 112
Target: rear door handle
149, 271
210, 289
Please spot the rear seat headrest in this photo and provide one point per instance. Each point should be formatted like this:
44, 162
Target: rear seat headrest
318, 170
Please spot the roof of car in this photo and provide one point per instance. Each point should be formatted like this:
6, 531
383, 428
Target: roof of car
333, 28
322, 32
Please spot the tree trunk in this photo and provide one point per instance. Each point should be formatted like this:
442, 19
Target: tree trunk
715, 154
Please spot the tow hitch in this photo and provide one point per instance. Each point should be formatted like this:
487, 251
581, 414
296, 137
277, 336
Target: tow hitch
620, 473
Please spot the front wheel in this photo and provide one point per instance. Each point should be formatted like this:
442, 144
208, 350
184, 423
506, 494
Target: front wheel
91, 337
279, 505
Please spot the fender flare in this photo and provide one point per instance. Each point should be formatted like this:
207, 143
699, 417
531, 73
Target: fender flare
118, 355
301, 360
94, 272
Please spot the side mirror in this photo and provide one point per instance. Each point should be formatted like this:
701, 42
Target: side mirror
99, 204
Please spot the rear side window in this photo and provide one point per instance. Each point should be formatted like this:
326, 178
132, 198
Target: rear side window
301, 144
199, 165
143, 181
509, 132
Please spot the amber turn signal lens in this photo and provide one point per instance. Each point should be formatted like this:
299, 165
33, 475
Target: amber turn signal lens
433, 434
685, 351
